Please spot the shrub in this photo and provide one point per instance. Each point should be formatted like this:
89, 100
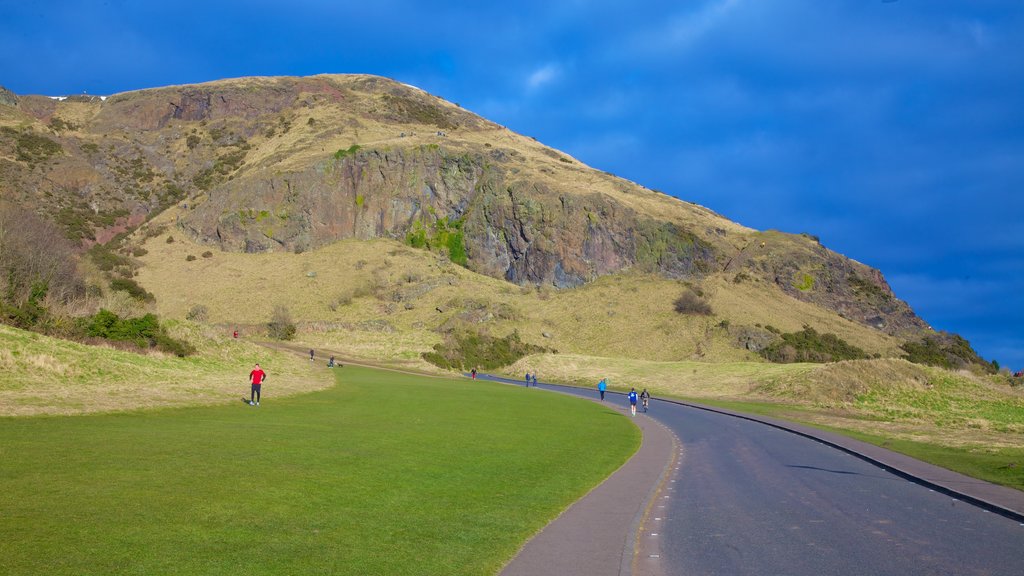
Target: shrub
35, 255
132, 288
471, 350
946, 351
198, 313
170, 239
106, 259
190, 258
809, 345
341, 153
690, 303
207, 254
143, 332
281, 326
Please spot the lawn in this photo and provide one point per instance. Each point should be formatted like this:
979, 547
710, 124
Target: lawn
383, 473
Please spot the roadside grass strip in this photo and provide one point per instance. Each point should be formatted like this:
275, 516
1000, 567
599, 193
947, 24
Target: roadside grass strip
384, 473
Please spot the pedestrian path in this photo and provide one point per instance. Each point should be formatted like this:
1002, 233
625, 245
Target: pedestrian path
597, 535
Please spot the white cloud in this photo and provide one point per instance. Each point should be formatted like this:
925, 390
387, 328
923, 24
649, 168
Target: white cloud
543, 76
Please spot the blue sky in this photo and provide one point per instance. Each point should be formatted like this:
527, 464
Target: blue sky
893, 130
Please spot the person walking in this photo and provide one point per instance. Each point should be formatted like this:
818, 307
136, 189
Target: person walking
645, 398
632, 401
310, 354
601, 387
473, 372
534, 379
256, 378
527, 379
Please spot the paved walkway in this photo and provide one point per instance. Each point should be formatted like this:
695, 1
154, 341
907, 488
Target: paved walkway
597, 535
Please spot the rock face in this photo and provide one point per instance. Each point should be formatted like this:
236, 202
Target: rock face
521, 231
262, 164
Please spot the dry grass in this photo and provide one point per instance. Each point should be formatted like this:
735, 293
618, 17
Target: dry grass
44, 375
382, 300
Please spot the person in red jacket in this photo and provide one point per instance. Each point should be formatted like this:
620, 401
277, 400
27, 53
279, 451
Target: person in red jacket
256, 378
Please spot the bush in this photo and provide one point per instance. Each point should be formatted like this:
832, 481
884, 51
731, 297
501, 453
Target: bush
207, 254
946, 351
198, 313
143, 332
132, 288
106, 259
810, 346
35, 255
471, 350
281, 326
189, 258
690, 303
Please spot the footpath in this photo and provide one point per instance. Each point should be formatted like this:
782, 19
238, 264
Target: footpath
598, 535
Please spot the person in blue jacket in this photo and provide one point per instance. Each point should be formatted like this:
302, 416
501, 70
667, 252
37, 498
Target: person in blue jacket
632, 400
601, 387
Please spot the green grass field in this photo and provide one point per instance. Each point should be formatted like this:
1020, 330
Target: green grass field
384, 473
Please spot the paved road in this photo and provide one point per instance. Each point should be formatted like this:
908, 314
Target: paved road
751, 499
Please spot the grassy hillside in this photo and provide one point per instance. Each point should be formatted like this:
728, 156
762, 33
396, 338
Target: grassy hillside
43, 375
381, 474
379, 299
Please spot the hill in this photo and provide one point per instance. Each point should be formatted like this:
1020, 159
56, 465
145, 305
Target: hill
293, 164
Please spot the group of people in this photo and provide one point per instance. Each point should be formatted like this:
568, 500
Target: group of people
531, 378
644, 397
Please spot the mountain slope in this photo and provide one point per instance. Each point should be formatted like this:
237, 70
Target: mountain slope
294, 164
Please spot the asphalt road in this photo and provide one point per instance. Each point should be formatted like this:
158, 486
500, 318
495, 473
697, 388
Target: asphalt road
751, 499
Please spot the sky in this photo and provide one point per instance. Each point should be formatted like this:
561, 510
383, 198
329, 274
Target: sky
891, 129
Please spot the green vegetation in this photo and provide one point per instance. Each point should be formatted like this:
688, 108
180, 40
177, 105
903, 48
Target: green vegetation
342, 152
384, 474
144, 332
59, 124
804, 282
868, 290
444, 234
132, 288
809, 345
31, 147
107, 259
80, 222
946, 351
281, 326
665, 246
466, 350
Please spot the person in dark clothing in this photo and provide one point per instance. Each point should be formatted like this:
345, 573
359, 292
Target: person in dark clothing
645, 398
